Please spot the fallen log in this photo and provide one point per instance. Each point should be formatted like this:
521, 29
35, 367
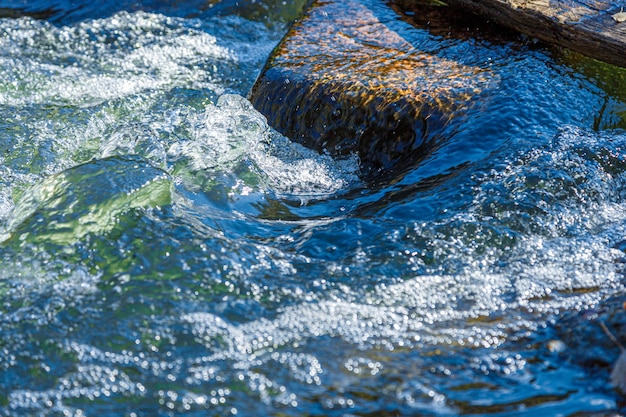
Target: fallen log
595, 28
345, 79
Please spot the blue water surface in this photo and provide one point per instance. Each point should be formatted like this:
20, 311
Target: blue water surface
165, 252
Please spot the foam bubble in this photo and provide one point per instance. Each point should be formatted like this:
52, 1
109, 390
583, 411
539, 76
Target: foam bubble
235, 136
106, 59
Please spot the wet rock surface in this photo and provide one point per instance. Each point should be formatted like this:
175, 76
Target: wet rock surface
352, 77
595, 28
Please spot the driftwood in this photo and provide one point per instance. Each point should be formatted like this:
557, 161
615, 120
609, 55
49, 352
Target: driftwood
596, 28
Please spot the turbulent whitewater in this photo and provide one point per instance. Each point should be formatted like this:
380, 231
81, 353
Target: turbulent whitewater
163, 251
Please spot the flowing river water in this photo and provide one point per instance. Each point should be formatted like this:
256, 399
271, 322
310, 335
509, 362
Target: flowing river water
165, 252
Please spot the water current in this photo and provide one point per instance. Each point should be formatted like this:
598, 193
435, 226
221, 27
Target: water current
165, 252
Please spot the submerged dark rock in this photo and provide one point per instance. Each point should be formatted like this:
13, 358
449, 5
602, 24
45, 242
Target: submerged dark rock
351, 77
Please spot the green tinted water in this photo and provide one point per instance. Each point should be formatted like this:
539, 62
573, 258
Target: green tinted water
165, 252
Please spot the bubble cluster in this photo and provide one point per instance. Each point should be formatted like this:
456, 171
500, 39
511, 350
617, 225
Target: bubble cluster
166, 252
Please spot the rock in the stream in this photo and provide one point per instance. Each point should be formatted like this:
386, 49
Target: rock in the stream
593, 342
618, 375
346, 79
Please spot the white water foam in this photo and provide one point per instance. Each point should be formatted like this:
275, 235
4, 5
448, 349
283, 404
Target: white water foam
122, 55
234, 133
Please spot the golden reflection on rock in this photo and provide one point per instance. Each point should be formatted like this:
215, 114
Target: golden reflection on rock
343, 80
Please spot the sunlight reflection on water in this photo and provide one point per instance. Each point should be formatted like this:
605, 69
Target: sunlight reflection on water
167, 253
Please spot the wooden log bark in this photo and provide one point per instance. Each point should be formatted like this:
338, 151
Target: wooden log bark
345, 80
595, 28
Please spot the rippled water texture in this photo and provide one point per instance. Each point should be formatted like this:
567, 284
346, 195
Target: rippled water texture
164, 252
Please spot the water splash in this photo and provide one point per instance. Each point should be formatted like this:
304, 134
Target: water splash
236, 137
158, 257
102, 60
